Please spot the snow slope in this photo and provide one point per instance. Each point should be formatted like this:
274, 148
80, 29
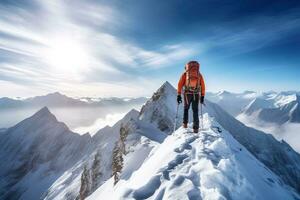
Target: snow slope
35, 152
139, 142
49, 151
210, 165
278, 156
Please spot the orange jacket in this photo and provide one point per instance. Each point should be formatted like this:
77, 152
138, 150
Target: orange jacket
181, 83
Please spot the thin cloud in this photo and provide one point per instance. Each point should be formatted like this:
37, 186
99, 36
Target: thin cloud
254, 33
108, 57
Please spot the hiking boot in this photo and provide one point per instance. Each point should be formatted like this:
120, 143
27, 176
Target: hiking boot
184, 125
196, 130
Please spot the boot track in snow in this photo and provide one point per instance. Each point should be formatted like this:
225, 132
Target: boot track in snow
209, 165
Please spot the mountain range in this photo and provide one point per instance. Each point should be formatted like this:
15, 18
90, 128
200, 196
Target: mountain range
140, 157
59, 100
77, 113
277, 109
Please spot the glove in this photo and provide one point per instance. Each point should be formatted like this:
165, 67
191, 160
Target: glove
179, 99
202, 100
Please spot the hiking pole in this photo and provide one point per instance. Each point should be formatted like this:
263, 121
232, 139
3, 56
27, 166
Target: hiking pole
202, 128
175, 123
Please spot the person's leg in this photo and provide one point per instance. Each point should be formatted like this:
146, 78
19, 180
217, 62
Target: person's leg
187, 103
195, 105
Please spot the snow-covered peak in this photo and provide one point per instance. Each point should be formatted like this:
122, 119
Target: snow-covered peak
284, 99
55, 95
165, 91
224, 94
276, 108
209, 165
53, 99
257, 104
37, 151
41, 120
160, 109
167, 85
43, 113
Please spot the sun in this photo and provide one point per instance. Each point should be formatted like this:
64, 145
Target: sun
66, 55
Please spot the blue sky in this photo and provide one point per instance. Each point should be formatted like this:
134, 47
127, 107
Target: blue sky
130, 47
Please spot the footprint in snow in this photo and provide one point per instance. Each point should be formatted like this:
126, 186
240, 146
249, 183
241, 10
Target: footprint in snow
186, 145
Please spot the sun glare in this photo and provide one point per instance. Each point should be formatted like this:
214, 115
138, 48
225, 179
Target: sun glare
66, 55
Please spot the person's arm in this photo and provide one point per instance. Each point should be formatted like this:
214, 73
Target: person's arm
181, 83
202, 85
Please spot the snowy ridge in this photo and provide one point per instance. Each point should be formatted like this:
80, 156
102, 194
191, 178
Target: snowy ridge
264, 147
209, 165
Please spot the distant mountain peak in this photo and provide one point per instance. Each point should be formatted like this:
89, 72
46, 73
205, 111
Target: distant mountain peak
224, 92
167, 86
257, 104
57, 95
43, 114
164, 90
43, 111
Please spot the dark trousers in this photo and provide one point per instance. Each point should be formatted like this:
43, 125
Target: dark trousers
194, 100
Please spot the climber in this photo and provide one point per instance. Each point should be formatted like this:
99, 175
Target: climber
194, 91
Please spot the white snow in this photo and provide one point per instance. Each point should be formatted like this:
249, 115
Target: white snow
139, 143
210, 165
281, 100
36, 152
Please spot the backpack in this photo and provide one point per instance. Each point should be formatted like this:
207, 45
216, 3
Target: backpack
192, 83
